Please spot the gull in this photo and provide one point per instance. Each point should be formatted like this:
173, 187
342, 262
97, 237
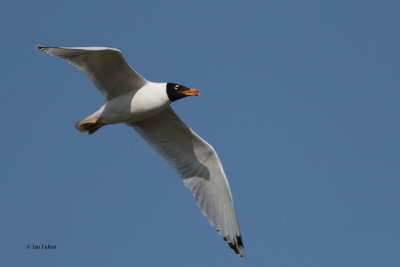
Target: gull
145, 106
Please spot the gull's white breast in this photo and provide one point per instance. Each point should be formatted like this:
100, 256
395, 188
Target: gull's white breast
136, 105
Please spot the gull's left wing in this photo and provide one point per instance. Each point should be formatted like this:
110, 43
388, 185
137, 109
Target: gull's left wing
199, 167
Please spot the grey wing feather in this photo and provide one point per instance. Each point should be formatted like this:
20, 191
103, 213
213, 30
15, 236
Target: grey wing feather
198, 165
104, 66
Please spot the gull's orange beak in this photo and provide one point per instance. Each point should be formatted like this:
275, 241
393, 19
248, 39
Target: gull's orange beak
190, 92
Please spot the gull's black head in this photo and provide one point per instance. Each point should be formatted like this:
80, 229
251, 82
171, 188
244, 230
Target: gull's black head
177, 91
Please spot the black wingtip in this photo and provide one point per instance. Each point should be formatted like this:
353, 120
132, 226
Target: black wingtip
41, 47
44, 48
236, 245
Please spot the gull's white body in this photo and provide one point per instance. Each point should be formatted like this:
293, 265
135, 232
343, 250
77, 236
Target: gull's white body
145, 106
136, 105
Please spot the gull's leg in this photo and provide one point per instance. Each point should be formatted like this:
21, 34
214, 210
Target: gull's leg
91, 123
90, 126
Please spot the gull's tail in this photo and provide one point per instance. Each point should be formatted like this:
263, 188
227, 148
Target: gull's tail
91, 123
88, 126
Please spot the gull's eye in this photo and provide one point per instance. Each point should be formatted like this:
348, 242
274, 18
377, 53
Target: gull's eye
176, 87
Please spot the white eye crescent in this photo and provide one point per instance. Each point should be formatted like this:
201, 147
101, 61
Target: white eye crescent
176, 87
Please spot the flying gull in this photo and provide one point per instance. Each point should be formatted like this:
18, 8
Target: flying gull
145, 106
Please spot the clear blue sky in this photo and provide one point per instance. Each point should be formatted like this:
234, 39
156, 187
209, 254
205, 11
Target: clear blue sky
299, 98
